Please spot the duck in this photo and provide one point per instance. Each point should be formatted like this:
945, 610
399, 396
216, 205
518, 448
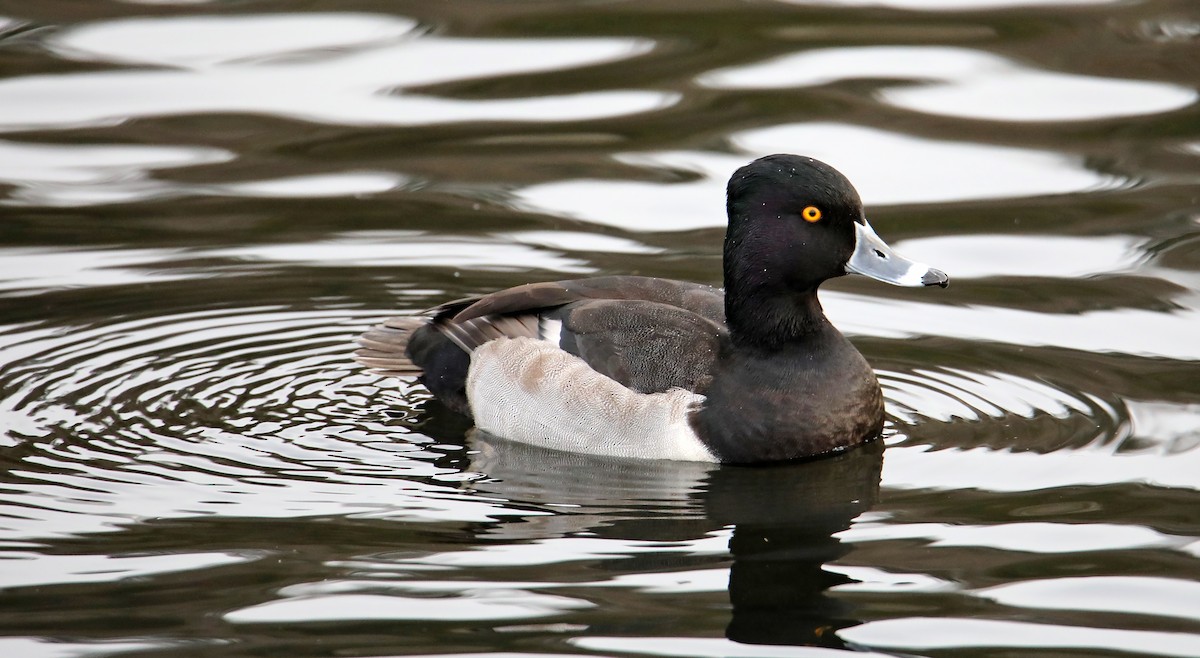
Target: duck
652, 368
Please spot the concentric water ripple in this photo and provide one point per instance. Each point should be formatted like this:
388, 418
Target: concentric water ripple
246, 412
272, 373
259, 411
947, 394
1013, 431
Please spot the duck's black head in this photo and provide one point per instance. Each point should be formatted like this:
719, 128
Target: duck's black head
795, 222
791, 222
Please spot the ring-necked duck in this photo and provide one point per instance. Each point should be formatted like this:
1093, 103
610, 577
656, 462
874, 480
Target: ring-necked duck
653, 368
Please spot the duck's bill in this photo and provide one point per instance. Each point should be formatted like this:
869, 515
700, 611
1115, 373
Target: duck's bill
872, 257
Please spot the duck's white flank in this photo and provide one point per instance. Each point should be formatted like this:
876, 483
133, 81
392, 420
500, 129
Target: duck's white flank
531, 391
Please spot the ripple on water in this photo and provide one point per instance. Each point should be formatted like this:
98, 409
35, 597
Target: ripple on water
330, 68
947, 394
253, 412
37, 569
877, 161
1042, 538
309, 603
921, 633
30, 271
698, 647
59, 175
416, 248
1138, 332
950, 5
1052, 256
42, 647
1005, 426
962, 82
1129, 595
205, 41
259, 412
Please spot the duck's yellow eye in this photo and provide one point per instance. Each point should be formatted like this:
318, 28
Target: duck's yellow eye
811, 214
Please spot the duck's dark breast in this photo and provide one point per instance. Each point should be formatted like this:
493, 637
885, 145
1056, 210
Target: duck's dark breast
810, 400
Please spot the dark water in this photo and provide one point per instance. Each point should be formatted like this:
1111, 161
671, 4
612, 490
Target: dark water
202, 203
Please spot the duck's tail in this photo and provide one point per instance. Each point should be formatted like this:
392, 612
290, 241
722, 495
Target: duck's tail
383, 349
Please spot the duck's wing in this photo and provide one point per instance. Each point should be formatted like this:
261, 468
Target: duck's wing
645, 333
646, 346
533, 298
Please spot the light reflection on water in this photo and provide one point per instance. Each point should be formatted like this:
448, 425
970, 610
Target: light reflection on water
950, 5
877, 161
353, 78
1055, 256
201, 210
206, 41
962, 83
969, 633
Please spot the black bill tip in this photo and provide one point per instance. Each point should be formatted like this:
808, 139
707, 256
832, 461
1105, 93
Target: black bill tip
935, 278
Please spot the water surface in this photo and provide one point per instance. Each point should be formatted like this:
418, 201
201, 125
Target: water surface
201, 204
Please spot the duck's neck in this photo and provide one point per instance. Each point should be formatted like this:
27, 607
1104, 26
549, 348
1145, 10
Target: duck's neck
773, 318
770, 295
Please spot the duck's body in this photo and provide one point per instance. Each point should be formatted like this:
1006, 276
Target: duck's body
653, 368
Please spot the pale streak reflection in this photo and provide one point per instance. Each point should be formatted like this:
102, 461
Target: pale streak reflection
24, 163
32, 569
984, 469
32, 271
949, 5
704, 647
1045, 538
36, 647
468, 605
887, 168
1055, 256
140, 188
921, 633
961, 82
1141, 595
1137, 332
355, 74
933, 170
60, 175
202, 41
408, 249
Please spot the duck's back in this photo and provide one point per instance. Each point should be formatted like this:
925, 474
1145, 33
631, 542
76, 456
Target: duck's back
648, 334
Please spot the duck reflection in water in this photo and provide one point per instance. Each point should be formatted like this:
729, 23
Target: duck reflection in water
784, 518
